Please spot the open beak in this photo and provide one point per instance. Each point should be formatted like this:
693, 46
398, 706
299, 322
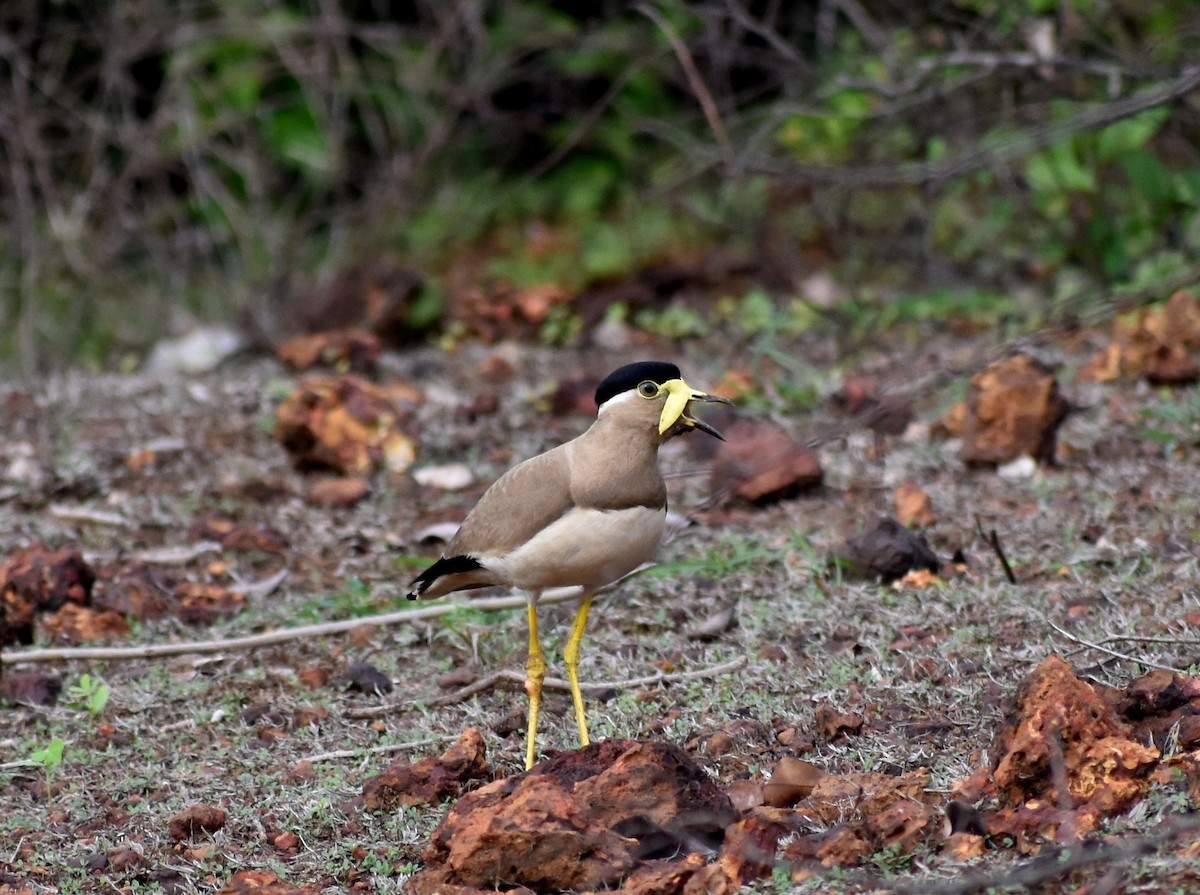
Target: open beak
703, 426
680, 396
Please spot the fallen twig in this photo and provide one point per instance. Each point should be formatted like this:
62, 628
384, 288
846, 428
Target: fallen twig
517, 678
1104, 649
89, 516
993, 540
1138, 638
283, 635
374, 750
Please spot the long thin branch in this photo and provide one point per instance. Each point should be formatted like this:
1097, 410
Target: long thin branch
517, 679
556, 683
1104, 649
283, 635
703, 96
918, 173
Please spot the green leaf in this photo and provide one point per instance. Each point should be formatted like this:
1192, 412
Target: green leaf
294, 133
51, 756
1148, 175
1057, 170
1132, 133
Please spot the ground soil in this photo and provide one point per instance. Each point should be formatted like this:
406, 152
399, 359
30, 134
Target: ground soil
1103, 547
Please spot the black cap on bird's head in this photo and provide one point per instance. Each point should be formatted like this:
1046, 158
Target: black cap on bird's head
629, 376
654, 379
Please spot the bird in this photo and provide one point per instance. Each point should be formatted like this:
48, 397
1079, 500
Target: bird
585, 513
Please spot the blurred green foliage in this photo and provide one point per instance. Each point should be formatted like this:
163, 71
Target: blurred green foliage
224, 159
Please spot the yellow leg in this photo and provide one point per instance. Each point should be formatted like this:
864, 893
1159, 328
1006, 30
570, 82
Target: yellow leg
571, 660
535, 673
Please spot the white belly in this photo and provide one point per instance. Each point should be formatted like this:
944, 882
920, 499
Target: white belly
585, 547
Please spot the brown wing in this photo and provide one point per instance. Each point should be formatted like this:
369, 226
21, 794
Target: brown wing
521, 503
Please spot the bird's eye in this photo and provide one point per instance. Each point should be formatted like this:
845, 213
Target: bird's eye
648, 388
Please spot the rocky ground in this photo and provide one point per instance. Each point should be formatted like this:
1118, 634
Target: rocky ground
851, 735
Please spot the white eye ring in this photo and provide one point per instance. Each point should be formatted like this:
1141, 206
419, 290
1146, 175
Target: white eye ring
648, 388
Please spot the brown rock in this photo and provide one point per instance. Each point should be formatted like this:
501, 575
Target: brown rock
313, 676
951, 423
134, 592
792, 780
718, 743
1058, 730
77, 624
1155, 702
430, 780
884, 414
343, 349
286, 841
460, 676
36, 579
196, 819
1179, 321
843, 846
30, 688
904, 825
963, 847
1030, 825
237, 537
556, 826
343, 491
202, 604
760, 464
1104, 365
123, 858
913, 506
303, 770
1014, 408
832, 724
745, 795
886, 552
347, 425
303, 716
836, 798
1171, 365
263, 882
661, 877
1156, 344
1189, 732
748, 851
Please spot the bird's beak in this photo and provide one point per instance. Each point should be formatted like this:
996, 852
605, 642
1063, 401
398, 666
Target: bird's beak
680, 396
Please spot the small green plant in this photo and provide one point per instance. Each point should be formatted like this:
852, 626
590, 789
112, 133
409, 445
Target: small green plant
893, 859
48, 758
354, 600
90, 693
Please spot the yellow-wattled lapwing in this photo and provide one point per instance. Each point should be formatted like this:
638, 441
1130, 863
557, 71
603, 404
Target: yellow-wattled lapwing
582, 514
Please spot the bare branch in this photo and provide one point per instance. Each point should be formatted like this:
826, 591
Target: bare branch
284, 635
918, 173
517, 680
1111, 652
703, 96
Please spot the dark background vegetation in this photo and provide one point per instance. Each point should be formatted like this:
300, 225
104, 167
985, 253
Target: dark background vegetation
165, 160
